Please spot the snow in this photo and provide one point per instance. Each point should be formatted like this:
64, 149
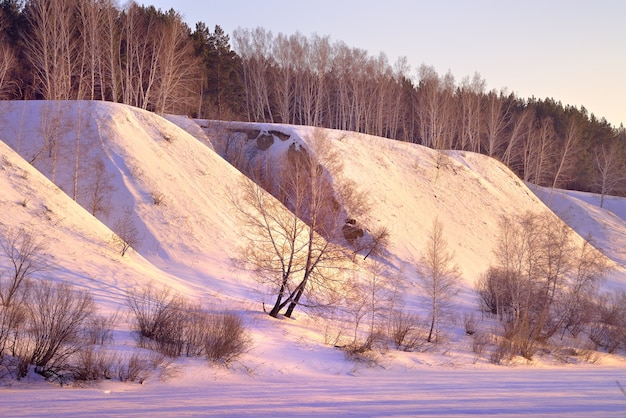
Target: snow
189, 238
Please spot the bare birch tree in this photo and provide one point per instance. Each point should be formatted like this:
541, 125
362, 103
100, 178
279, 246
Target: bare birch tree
8, 60
609, 167
294, 241
291, 249
253, 47
565, 162
496, 121
178, 70
438, 277
50, 47
435, 108
470, 110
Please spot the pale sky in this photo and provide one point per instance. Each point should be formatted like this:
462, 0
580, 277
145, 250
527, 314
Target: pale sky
571, 50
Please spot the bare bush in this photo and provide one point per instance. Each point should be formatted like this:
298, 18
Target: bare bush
502, 352
137, 368
523, 337
470, 323
480, 342
56, 314
158, 318
158, 197
493, 292
609, 330
226, 338
99, 329
94, 364
13, 321
361, 354
196, 329
407, 331
171, 325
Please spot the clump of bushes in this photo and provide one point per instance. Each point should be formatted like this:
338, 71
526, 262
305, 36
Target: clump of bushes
172, 325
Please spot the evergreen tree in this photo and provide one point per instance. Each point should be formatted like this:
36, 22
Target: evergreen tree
222, 87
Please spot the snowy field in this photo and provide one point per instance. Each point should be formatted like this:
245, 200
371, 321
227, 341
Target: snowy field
189, 239
574, 391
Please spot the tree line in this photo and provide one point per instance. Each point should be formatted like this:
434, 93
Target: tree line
148, 58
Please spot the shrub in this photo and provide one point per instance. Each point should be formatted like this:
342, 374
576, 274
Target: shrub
56, 314
480, 341
99, 329
471, 324
158, 197
407, 331
93, 364
137, 368
158, 319
226, 338
173, 326
609, 329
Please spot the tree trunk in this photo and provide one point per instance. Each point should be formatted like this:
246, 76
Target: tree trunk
293, 303
432, 327
278, 305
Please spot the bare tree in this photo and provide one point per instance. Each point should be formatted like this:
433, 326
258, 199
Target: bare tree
496, 121
370, 300
285, 252
8, 60
469, 94
26, 256
294, 241
77, 150
99, 190
51, 47
519, 130
609, 168
538, 152
253, 47
438, 276
565, 156
110, 65
543, 282
178, 70
283, 51
126, 234
435, 108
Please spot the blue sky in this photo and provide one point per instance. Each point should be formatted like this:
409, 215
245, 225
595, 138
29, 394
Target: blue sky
573, 51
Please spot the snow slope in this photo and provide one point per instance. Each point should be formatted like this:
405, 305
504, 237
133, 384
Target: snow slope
189, 236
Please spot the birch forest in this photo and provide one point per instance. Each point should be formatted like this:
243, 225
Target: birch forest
149, 58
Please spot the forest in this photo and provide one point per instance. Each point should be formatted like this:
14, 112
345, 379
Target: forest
151, 59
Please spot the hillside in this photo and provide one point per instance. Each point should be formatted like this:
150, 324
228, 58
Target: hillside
169, 175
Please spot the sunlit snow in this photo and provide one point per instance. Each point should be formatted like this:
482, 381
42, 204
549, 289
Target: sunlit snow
190, 237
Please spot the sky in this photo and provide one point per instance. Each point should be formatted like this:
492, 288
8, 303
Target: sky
570, 50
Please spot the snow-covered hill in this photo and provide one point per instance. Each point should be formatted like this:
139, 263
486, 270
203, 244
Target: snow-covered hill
169, 175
